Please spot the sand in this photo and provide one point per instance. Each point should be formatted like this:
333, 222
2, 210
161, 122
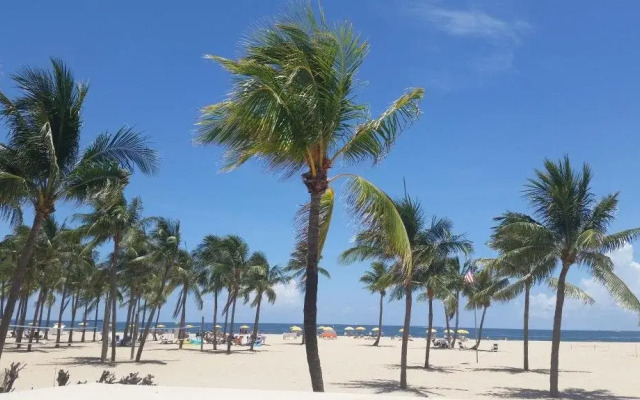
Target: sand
588, 370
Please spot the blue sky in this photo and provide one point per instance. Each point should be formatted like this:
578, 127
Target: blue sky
508, 83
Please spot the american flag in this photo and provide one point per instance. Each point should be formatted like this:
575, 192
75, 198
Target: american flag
469, 277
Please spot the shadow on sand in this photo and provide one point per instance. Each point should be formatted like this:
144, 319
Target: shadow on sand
571, 393
513, 370
380, 386
95, 362
442, 370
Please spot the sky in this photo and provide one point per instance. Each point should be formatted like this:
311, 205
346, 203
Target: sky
508, 84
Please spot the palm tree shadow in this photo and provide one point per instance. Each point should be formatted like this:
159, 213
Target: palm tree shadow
571, 393
513, 370
443, 370
382, 386
95, 362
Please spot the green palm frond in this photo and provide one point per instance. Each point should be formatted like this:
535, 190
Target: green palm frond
572, 291
375, 138
377, 212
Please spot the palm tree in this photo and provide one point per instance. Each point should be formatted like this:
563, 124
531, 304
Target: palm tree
236, 261
188, 277
570, 227
41, 163
528, 270
165, 253
111, 218
482, 292
377, 280
293, 106
427, 244
208, 254
261, 280
455, 277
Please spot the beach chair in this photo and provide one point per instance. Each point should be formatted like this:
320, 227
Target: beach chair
495, 347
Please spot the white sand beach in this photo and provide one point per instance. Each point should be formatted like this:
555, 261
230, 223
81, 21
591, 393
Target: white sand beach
592, 370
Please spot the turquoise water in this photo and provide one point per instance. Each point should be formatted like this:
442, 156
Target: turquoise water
487, 333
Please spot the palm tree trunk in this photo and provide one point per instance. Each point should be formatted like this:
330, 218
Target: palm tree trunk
479, 339
254, 335
525, 329
1, 299
44, 299
183, 313
129, 316
105, 328
95, 319
455, 334
446, 323
46, 332
35, 326
136, 328
19, 274
144, 316
311, 287
430, 326
557, 324
155, 304
22, 320
62, 307
226, 315
114, 294
215, 320
84, 320
74, 308
379, 321
233, 315
405, 334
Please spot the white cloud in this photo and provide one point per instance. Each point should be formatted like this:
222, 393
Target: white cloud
542, 305
288, 295
473, 23
496, 39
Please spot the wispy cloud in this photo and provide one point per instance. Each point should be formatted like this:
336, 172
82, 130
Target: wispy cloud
493, 41
473, 23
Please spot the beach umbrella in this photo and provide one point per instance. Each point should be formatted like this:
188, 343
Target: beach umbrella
82, 324
244, 327
348, 328
218, 326
30, 323
295, 329
189, 326
361, 328
433, 330
160, 326
401, 330
327, 328
463, 331
376, 329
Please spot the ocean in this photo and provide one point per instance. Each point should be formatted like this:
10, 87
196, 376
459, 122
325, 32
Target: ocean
420, 331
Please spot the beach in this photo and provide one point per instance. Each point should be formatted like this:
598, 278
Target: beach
594, 370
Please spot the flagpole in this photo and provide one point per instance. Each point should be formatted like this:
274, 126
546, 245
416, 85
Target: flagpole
475, 326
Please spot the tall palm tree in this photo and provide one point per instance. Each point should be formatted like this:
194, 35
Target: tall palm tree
377, 280
261, 280
570, 227
293, 106
527, 270
112, 218
455, 272
427, 244
236, 261
41, 163
209, 255
165, 253
188, 277
487, 283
